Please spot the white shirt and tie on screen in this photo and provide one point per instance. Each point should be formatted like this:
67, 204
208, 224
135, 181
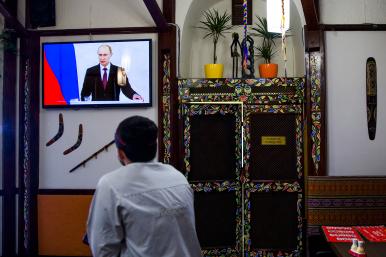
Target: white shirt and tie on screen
101, 81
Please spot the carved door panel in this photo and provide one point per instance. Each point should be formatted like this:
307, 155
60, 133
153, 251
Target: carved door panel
212, 164
273, 185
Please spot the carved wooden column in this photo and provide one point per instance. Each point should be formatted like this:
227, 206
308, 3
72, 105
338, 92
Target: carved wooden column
29, 144
316, 98
9, 131
167, 89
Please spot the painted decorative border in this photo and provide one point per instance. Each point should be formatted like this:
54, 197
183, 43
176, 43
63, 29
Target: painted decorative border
350, 202
27, 194
166, 108
207, 187
273, 253
319, 187
248, 91
315, 139
231, 82
264, 187
346, 217
249, 109
315, 70
315, 64
220, 253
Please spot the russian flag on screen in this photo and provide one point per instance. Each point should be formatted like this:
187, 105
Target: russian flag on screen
60, 74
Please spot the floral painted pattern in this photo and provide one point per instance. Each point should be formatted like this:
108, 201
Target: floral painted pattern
315, 64
256, 91
166, 108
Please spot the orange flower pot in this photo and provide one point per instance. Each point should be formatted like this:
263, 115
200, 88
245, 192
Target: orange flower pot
268, 70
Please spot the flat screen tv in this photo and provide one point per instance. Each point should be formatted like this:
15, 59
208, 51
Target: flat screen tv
97, 74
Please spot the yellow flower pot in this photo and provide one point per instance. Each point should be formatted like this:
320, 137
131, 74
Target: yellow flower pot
214, 70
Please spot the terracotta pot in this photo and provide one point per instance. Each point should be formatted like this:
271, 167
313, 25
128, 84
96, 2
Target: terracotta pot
214, 70
268, 70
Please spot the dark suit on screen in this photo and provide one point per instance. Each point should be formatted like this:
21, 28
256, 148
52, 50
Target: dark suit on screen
93, 86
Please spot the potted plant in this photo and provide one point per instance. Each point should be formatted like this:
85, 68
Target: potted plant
215, 25
267, 48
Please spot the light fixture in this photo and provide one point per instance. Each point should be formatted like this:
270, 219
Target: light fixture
275, 15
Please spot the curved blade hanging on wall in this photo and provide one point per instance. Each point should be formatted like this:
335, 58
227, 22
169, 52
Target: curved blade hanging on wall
94, 155
60, 131
371, 96
77, 143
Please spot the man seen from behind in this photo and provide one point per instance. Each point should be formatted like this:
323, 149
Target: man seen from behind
145, 208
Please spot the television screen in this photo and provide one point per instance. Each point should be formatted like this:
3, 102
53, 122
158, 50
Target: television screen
97, 73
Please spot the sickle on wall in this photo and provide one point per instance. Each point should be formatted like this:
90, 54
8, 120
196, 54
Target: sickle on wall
77, 143
60, 131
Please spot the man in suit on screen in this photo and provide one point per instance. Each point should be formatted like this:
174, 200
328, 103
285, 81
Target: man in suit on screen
101, 82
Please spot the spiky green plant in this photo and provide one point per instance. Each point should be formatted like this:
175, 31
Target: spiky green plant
215, 25
266, 50
261, 30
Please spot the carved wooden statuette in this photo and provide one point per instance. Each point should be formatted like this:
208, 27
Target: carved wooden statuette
371, 96
235, 54
248, 70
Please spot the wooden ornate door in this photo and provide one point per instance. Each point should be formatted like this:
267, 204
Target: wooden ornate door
212, 164
273, 184
242, 152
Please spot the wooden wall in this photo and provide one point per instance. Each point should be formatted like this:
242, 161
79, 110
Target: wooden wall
62, 224
345, 201
330, 201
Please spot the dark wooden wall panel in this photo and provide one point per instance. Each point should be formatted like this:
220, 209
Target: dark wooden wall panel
345, 201
62, 224
215, 219
9, 138
212, 153
269, 227
238, 12
273, 161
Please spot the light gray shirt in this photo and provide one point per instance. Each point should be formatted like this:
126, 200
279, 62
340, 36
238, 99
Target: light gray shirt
143, 210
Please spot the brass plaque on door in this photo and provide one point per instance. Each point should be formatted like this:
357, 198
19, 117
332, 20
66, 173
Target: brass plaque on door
273, 140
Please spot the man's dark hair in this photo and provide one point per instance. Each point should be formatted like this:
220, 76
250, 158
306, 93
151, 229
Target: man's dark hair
137, 137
